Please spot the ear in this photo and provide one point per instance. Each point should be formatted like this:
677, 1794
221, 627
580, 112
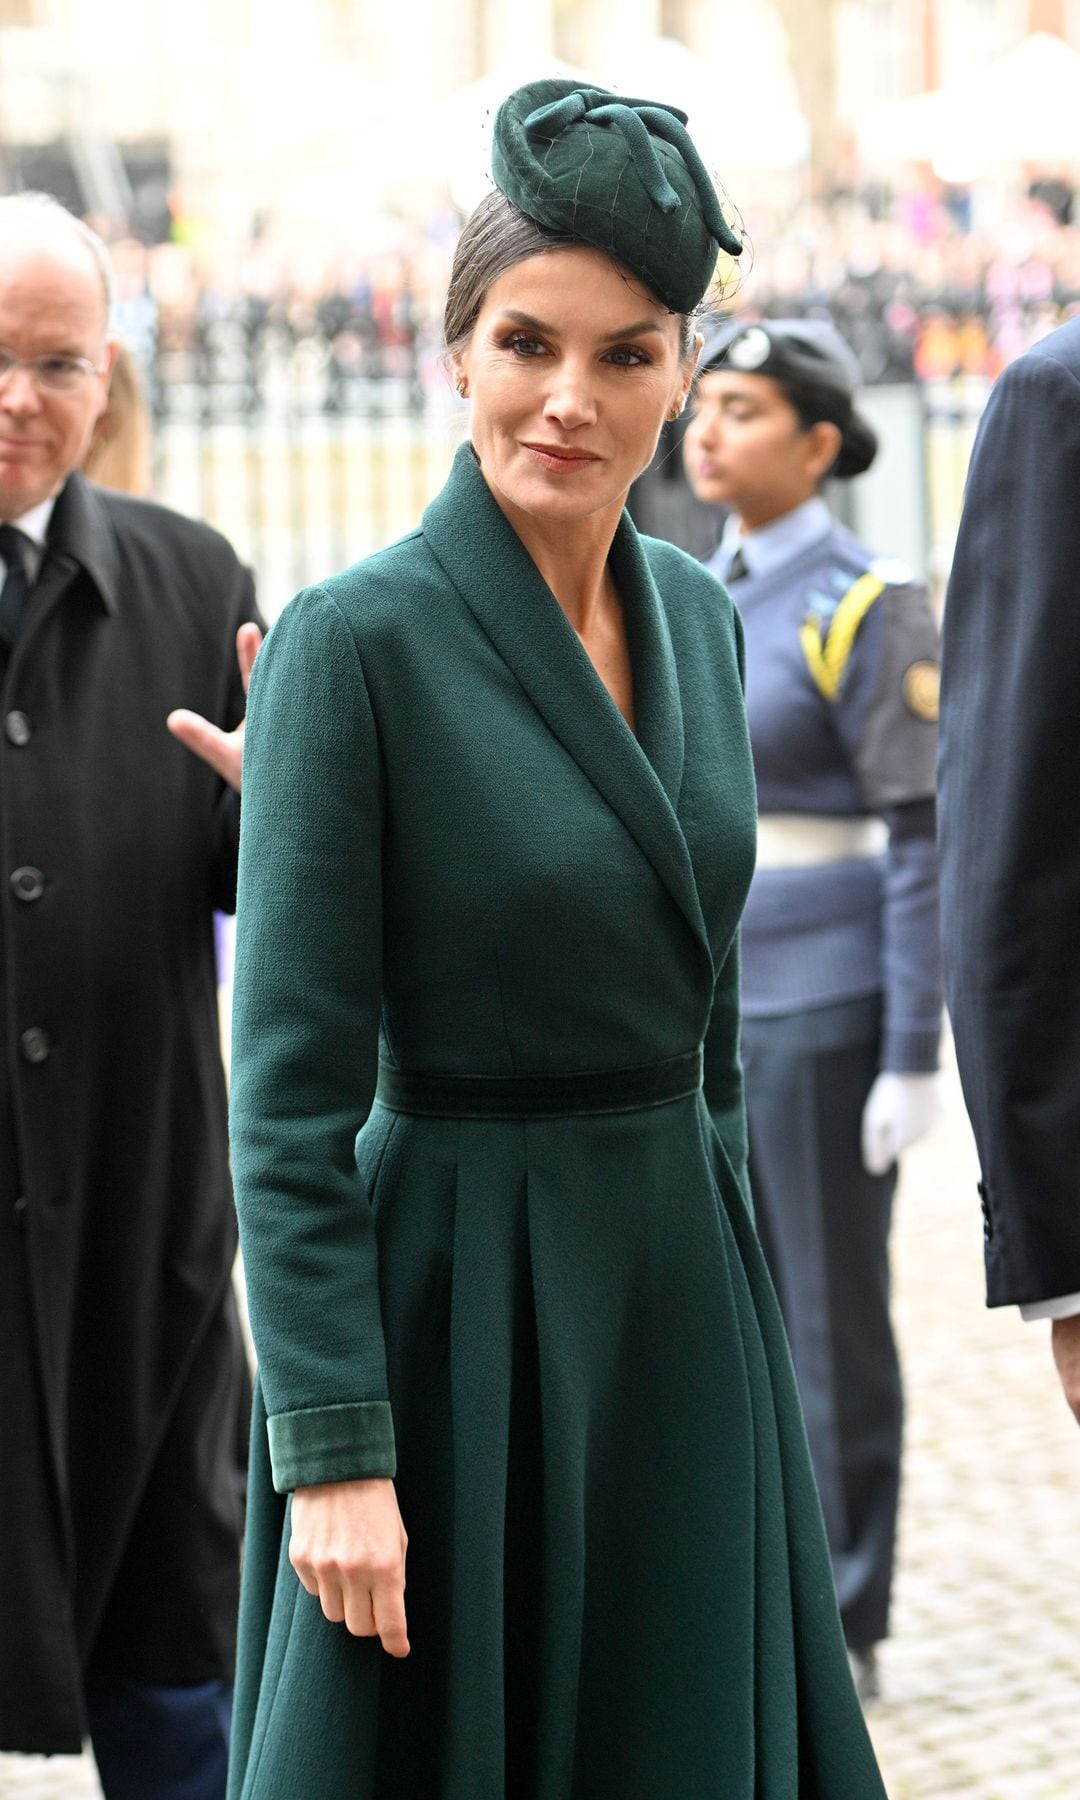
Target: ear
823, 442
108, 363
689, 370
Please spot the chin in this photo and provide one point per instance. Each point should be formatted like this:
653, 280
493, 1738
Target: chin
547, 500
711, 493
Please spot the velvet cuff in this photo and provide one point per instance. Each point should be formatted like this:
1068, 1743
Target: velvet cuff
354, 1442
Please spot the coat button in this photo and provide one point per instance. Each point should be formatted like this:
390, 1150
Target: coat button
35, 1044
17, 729
27, 884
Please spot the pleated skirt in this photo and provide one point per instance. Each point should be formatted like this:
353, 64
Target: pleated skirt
618, 1586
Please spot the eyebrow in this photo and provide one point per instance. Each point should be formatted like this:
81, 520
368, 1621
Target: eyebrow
609, 337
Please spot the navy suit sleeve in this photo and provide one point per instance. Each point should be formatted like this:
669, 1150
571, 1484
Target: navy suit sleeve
1010, 847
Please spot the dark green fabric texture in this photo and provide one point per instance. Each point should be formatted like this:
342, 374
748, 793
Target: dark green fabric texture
330, 1436
618, 1584
623, 175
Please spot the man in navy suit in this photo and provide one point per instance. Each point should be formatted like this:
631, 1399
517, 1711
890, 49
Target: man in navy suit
1009, 811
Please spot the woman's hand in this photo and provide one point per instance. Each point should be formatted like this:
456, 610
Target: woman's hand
348, 1548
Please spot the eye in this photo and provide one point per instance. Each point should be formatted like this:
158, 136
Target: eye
627, 356
523, 345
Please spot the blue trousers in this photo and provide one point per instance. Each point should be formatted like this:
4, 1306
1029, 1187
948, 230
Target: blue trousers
159, 1743
824, 1227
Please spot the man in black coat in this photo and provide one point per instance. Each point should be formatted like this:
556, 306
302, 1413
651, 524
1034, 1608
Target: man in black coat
1009, 789
123, 1382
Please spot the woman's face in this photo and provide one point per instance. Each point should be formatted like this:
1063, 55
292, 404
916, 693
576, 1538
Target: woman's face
572, 368
746, 447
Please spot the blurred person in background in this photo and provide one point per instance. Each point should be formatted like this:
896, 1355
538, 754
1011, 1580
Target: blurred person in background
123, 1380
1010, 773
488, 1125
841, 967
119, 453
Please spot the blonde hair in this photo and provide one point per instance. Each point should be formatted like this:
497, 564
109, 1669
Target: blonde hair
119, 453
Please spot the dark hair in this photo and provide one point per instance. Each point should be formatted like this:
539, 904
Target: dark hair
816, 405
495, 238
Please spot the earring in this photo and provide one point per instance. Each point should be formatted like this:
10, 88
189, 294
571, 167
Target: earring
461, 387
676, 412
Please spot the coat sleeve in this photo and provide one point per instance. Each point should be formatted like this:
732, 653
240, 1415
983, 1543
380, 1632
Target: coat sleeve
1010, 850
305, 1048
886, 713
723, 1079
723, 1074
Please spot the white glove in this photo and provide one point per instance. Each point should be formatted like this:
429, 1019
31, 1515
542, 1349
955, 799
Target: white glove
899, 1110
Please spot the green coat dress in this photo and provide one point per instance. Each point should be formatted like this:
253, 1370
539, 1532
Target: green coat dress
559, 1333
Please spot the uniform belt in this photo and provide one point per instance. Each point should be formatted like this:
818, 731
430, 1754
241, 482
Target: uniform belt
800, 840
539, 1096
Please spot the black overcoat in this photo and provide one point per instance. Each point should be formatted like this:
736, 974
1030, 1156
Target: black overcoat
122, 1377
1010, 851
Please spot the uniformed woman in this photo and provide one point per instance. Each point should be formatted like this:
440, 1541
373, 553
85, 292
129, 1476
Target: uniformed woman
841, 973
497, 833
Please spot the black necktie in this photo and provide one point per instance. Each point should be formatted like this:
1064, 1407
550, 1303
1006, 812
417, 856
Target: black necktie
737, 568
13, 595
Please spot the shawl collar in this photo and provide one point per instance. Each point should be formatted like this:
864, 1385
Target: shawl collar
639, 777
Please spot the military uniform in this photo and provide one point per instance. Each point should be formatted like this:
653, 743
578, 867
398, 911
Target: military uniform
841, 979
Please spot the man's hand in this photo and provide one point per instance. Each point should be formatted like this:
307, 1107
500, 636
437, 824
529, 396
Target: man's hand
223, 750
1065, 1339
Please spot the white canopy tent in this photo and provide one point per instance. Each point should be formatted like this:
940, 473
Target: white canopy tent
1024, 108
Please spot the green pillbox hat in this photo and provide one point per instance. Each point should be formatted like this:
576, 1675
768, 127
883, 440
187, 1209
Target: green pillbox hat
619, 174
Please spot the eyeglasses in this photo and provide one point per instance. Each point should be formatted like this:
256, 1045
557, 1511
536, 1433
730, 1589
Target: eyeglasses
53, 374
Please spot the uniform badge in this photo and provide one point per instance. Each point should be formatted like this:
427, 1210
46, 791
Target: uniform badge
750, 351
921, 689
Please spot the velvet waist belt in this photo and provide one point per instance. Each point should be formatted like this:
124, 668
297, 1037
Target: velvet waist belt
540, 1096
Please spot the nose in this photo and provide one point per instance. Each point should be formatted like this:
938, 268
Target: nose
19, 393
570, 401
703, 431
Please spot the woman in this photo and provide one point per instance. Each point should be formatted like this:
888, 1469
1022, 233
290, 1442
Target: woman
841, 975
498, 828
119, 454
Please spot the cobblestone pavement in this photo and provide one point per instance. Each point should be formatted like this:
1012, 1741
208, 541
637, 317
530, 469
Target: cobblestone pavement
981, 1681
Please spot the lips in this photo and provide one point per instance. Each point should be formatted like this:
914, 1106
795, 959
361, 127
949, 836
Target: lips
561, 459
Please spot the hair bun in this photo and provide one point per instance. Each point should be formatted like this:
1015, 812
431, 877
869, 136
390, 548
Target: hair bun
858, 449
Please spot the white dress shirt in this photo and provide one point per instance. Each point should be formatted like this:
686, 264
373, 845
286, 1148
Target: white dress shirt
774, 543
33, 525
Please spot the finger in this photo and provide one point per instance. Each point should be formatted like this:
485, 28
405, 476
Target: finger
359, 1612
877, 1152
332, 1599
248, 641
223, 750
306, 1576
388, 1605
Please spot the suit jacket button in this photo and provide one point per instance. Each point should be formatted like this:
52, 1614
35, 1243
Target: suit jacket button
35, 1044
27, 884
17, 729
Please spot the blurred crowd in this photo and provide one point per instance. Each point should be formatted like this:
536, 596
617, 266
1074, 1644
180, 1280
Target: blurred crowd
917, 289
920, 290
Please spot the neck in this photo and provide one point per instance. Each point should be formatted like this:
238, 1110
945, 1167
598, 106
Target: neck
571, 555
756, 517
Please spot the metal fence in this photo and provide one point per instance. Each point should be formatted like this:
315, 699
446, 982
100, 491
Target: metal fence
313, 439
309, 444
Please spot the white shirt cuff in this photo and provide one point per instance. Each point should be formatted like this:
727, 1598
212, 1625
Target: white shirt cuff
1066, 1307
